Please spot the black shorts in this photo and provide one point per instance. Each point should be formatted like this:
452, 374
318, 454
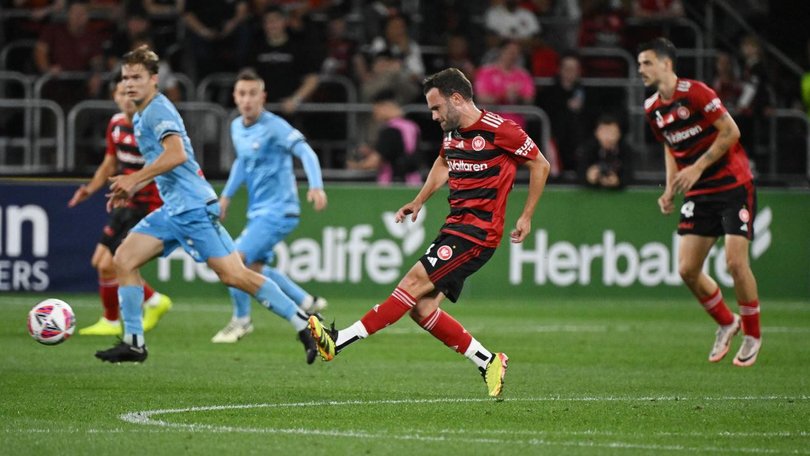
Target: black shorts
450, 260
122, 219
718, 214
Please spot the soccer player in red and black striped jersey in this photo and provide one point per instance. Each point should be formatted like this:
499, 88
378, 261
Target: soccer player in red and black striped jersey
479, 157
121, 156
705, 161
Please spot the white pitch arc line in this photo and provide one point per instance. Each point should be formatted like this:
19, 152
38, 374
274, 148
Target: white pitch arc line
145, 418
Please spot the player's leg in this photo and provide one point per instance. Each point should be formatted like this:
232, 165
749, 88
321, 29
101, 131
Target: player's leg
413, 286
108, 324
240, 324
745, 287
233, 272
258, 240
136, 250
738, 210
307, 302
692, 252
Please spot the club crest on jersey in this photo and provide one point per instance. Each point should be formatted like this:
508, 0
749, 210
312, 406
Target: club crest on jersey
683, 112
744, 215
478, 143
444, 252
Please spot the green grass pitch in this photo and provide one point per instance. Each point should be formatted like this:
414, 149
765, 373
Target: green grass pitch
590, 377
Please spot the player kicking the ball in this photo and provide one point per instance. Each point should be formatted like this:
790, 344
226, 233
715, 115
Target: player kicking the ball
705, 161
479, 158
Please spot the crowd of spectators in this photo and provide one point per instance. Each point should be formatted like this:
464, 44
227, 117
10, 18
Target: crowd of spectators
384, 47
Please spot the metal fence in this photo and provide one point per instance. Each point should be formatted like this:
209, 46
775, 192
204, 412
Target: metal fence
36, 136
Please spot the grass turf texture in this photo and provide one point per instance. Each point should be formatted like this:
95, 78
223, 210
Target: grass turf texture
590, 377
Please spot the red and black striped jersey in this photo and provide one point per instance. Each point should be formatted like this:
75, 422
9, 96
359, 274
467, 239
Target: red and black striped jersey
121, 144
482, 161
686, 124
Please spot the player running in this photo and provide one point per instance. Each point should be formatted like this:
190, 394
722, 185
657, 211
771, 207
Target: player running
189, 216
705, 161
478, 158
122, 152
265, 144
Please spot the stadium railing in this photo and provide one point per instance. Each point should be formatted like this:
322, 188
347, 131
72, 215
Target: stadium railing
225, 81
206, 124
25, 82
42, 150
17, 46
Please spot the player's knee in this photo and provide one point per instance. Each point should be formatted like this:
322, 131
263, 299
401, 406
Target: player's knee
106, 269
121, 263
736, 266
688, 272
230, 279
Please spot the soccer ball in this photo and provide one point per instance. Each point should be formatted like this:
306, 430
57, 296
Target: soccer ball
51, 322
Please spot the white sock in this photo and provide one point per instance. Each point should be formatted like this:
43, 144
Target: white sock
153, 300
299, 320
351, 334
134, 340
241, 320
478, 354
306, 304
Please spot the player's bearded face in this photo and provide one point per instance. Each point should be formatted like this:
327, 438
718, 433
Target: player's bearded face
443, 110
649, 68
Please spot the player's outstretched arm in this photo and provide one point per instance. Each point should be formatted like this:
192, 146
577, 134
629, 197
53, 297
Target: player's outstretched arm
104, 171
312, 168
538, 173
438, 175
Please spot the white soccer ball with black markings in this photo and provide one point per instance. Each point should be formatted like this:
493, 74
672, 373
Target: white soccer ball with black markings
51, 322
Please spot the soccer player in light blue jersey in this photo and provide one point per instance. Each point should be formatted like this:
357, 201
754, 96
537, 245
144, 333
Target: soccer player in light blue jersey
265, 145
189, 216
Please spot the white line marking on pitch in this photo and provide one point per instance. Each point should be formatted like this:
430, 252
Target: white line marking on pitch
146, 418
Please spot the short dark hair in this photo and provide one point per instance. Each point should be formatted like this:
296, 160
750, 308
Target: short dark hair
662, 47
607, 119
448, 82
384, 95
142, 55
249, 74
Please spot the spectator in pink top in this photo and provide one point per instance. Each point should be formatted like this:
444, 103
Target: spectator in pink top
505, 82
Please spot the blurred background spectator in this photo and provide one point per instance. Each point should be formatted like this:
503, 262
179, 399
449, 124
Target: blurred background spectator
218, 39
726, 82
288, 66
565, 102
505, 82
397, 42
394, 154
71, 47
457, 55
604, 160
755, 101
603, 24
387, 73
40, 13
509, 20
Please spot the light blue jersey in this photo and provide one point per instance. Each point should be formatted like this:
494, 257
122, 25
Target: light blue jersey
264, 164
183, 188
